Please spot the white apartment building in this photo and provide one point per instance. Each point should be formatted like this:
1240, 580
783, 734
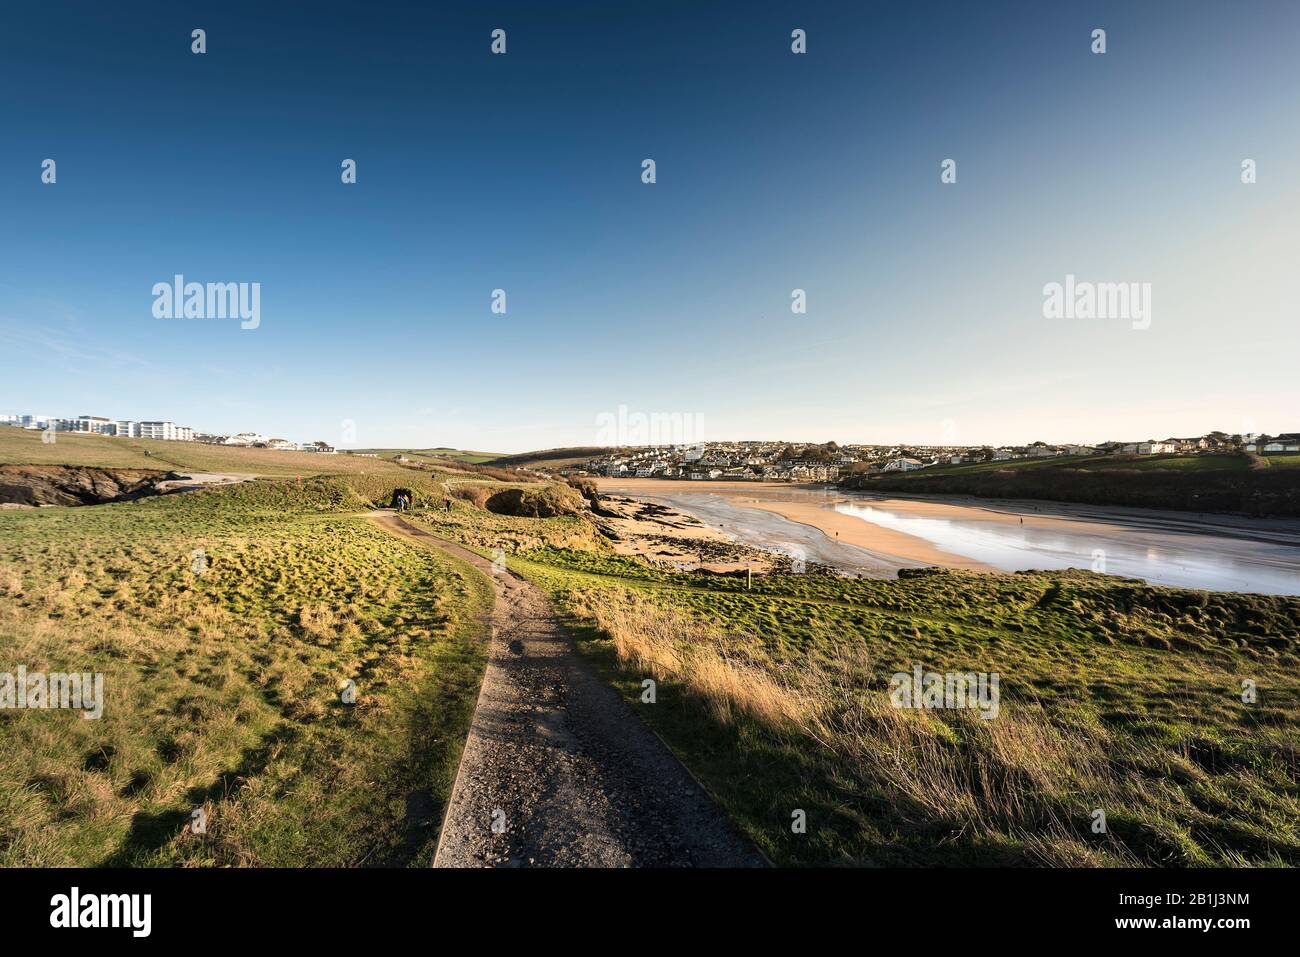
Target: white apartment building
102, 425
95, 424
158, 430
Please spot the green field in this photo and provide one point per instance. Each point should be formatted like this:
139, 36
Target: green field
224, 623
1224, 483
223, 678
1115, 696
967, 468
1180, 463
24, 447
438, 455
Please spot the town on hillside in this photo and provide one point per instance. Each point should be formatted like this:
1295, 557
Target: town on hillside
751, 461
794, 462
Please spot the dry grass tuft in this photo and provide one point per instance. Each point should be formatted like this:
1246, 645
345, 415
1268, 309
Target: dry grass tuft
1024, 781
671, 646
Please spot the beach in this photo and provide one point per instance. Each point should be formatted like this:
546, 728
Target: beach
777, 498
879, 534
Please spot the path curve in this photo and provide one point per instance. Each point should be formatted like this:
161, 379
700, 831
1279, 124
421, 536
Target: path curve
560, 762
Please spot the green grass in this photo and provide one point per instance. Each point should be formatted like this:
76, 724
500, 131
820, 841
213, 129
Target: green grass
1181, 463
971, 467
480, 529
439, 454
24, 447
1115, 694
222, 687
1228, 483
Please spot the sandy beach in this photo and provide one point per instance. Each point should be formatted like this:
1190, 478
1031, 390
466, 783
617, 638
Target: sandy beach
879, 534
845, 528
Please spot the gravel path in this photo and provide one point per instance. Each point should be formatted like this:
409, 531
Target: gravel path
558, 771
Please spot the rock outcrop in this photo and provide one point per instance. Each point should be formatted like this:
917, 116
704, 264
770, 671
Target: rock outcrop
75, 485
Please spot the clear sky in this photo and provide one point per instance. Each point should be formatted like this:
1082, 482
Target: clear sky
775, 171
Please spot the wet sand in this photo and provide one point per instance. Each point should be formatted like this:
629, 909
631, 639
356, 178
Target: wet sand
871, 532
903, 549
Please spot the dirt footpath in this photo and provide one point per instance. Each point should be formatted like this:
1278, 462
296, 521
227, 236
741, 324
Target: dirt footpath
558, 771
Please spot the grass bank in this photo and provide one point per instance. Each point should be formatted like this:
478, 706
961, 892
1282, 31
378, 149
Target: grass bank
226, 624
1116, 697
1234, 484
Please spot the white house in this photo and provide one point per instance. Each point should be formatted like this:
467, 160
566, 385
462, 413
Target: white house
902, 465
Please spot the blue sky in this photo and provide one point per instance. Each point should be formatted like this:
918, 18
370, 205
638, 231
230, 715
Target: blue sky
775, 172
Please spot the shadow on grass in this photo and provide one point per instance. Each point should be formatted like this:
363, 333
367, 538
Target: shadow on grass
150, 832
763, 777
758, 775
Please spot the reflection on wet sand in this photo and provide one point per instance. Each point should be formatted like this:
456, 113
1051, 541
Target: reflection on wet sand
873, 535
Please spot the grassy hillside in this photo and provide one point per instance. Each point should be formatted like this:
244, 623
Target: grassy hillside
22, 447
551, 458
1242, 484
1116, 696
439, 454
224, 622
223, 682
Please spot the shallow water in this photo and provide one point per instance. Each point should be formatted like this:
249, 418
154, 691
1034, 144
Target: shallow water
1189, 551
774, 533
1212, 561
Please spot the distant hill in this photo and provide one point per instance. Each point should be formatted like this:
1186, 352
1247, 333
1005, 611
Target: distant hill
552, 458
1240, 484
452, 455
